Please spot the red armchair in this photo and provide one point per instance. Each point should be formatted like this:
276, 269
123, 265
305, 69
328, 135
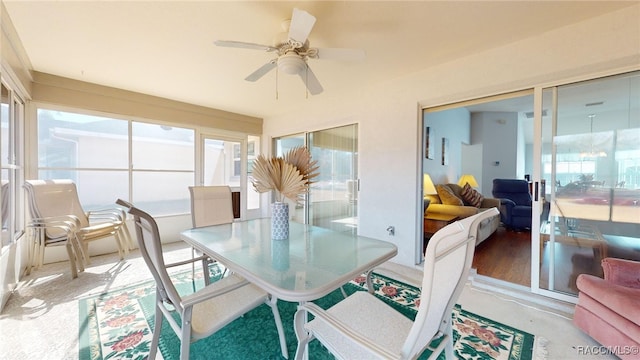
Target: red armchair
608, 309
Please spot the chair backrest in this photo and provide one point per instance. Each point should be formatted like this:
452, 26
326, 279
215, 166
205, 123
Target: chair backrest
516, 190
51, 198
448, 258
150, 245
211, 205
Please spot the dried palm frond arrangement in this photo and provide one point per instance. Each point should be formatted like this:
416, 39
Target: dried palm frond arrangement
290, 176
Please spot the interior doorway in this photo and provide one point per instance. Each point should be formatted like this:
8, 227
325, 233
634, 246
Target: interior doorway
487, 139
580, 150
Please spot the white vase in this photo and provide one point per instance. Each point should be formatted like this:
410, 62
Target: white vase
279, 221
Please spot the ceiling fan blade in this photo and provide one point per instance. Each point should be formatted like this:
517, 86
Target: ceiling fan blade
262, 71
244, 45
341, 54
311, 81
301, 24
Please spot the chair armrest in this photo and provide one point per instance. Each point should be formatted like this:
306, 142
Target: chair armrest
64, 221
115, 215
507, 202
624, 301
65, 226
506, 206
56, 228
322, 315
622, 272
188, 261
460, 211
220, 287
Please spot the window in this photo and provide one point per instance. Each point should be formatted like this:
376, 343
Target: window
90, 150
11, 164
163, 167
106, 157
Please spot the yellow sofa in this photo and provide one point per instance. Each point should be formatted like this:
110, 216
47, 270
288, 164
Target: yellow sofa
442, 203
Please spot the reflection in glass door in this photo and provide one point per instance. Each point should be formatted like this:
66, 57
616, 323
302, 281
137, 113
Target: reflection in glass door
591, 163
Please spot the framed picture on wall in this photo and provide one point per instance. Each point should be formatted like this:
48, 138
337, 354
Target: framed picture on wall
429, 148
445, 151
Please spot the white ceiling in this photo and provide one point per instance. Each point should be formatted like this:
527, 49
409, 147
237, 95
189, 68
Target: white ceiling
165, 48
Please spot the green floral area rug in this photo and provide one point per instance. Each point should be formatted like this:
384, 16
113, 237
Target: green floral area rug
118, 324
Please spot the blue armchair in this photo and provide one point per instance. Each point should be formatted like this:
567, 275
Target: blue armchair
515, 202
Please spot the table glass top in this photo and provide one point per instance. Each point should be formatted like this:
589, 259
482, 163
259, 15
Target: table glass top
311, 263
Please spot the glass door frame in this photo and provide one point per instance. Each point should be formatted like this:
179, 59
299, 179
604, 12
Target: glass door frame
305, 139
538, 202
537, 173
536, 206
543, 109
245, 214
539, 93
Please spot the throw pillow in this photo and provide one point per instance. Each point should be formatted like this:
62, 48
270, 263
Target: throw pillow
447, 196
471, 196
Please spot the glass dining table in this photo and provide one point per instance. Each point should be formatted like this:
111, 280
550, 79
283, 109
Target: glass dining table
308, 265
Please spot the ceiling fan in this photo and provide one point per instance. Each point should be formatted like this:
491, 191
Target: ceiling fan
293, 50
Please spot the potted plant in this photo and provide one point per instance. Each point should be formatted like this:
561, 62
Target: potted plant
290, 176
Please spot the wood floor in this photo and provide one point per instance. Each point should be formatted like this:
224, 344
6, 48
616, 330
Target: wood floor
505, 255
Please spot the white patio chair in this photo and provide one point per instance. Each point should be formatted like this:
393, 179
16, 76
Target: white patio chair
57, 218
364, 327
203, 312
210, 205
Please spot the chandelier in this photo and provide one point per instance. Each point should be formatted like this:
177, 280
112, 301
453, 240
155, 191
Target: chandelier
593, 153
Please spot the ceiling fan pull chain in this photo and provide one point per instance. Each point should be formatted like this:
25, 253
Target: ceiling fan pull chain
277, 72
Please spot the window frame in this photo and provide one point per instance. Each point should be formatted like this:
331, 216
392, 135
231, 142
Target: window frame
129, 167
14, 164
131, 170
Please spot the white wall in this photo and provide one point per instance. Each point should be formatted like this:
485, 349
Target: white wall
471, 163
454, 125
389, 115
499, 154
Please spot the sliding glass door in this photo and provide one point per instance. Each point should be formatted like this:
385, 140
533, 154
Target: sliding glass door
297, 212
332, 200
334, 196
591, 164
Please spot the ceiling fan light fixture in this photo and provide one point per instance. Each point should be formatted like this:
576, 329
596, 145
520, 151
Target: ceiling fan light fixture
291, 63
293, 51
